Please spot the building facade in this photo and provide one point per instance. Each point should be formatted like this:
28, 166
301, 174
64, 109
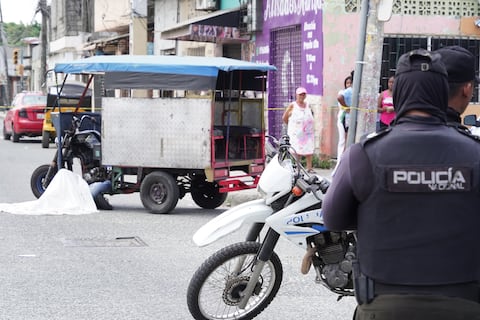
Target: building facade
313, 44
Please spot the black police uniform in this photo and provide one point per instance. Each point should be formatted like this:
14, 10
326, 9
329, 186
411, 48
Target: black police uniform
413, 194
460, 65
454, 120
453, 117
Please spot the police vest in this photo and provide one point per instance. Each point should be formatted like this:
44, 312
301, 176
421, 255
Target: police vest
420, 223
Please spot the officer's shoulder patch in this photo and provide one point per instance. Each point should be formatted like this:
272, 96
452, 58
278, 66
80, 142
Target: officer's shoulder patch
374, 136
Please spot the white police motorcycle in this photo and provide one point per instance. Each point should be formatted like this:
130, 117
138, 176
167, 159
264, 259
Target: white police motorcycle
240, 280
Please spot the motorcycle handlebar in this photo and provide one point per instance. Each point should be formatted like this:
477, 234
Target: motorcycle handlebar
316, 183
324, 185
86, 116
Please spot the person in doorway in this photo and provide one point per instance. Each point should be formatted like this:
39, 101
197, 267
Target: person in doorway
342, 124
300, 127
385, 105
413, 201
460, 64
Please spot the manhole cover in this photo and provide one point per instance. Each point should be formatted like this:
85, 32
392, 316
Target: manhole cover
98, 242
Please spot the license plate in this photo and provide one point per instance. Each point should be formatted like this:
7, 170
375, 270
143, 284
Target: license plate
40, 116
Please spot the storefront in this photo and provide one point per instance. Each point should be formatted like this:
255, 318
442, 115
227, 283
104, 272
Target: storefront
292, 40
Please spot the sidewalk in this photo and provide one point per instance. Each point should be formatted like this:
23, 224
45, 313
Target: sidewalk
238, 197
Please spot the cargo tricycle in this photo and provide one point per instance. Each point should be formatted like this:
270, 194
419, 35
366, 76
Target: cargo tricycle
168, 126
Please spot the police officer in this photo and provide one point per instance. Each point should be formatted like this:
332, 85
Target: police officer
413, 195
460, 65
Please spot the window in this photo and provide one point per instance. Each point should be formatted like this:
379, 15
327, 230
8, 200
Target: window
394, 47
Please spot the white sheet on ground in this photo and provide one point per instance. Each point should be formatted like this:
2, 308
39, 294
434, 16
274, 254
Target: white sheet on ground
68, 193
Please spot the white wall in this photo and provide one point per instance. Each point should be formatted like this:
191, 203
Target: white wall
111, 14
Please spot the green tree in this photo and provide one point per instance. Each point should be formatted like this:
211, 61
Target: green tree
15, 32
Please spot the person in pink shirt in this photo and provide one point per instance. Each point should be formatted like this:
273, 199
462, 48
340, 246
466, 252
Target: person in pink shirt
385, 106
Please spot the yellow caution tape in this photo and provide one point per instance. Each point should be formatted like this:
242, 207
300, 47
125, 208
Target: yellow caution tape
331, 108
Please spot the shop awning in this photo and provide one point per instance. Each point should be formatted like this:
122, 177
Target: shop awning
218, 20
169, 72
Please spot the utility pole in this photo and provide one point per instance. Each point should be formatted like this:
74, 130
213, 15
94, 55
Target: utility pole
42, 7
367, 105
138, 35
367, 68
3, 38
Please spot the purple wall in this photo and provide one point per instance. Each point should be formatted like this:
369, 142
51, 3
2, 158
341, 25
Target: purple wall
308, 14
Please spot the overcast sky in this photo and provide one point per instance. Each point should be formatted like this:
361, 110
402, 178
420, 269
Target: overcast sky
20, 11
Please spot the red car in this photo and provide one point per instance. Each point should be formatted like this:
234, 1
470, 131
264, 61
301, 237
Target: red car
25, 118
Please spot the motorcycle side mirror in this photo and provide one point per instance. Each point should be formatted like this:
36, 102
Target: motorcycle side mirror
471, 120
284, 140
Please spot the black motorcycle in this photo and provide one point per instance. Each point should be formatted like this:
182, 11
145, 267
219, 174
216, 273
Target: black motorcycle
81, 141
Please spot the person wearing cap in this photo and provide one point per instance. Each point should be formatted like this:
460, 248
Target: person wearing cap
300, 127
411, 192
460, 65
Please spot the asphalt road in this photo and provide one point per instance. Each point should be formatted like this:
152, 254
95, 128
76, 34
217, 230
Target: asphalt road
120, 264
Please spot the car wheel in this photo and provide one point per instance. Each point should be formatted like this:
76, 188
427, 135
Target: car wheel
6, 136
16, 136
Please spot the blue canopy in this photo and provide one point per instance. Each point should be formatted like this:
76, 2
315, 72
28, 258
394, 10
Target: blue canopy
203, 66
167, 72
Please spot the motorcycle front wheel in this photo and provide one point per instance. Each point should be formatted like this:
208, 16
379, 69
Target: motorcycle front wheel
215, 289
39, 180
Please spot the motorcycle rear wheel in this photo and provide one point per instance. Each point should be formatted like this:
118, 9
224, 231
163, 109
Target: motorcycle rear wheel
102, 203
214, 291
206, 194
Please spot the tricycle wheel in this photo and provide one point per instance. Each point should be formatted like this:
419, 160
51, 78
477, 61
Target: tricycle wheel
41, 178
207, 195
45, 139
159, 192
